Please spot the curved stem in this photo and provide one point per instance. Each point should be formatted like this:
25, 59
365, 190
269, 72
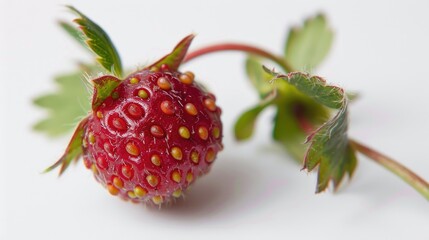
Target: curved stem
238, 47
400, 170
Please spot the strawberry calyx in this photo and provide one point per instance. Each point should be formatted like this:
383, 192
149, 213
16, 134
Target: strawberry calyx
103, 88
173, 60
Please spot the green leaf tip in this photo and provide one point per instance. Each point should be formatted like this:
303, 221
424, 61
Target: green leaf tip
74, 149
307, 46
175, 58
103, 88
99, 42
243, 128
329, 148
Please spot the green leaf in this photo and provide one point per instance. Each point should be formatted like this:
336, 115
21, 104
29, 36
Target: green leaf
314, 87
103, 88
331, 149
74, 33
287, 129
258, 77
245, 124
288, 132
68, 104
175, 58
307, 46
99, 42
329, 144
74, 149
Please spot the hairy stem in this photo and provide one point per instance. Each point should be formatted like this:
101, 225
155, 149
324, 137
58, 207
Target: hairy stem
400, 170
239, 47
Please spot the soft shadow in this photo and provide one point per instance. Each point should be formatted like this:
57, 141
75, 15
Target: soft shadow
230, 189
226, 186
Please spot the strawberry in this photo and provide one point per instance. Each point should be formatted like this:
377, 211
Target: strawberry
151, 135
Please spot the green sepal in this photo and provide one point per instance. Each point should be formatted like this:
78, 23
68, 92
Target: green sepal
103, 88
99, 42
307, 46
74, 149
245, 124
175, 58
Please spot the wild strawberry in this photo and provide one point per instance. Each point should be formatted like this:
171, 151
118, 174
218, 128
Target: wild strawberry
151, 135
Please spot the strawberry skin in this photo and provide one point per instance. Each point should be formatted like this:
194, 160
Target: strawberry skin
153, 136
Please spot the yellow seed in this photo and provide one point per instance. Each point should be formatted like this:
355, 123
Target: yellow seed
167, 107
132, 149
210, 104
91, 138
163, 83
191, 109
157, 200
195, 157
99, 114
203, 133
184, 132
176, 152
117, 182
216, 132
176, 176
177, 193
143, 94
189, 177
154, 69
134, 80
112, 189
186, 79
84, 143
156, 160
157, 131
152, 180
94, 169
210, 156
131, 194
139, 191
190, 74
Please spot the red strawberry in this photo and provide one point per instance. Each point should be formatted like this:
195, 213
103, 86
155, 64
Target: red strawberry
151, 135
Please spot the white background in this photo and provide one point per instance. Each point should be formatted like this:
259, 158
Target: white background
254, 191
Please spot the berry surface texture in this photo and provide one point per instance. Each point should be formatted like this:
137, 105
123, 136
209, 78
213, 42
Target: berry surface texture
155, 134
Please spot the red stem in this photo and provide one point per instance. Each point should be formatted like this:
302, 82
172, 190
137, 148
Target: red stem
238, 47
